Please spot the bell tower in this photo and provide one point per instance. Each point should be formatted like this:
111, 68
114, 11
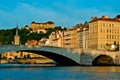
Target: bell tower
17, 37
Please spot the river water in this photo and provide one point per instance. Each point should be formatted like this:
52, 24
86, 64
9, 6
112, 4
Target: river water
51, 72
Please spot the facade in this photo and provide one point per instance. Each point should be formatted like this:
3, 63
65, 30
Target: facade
16, 38
103, 31
43, 42
70, 39
82, 37
32, 42
65, 39
40, 27
56, 39
13, 55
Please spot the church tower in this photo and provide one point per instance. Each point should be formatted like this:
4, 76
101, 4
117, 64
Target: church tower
16, 37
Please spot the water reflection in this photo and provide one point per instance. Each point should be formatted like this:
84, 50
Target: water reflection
60, 72
24, 66
95, 68
102, 69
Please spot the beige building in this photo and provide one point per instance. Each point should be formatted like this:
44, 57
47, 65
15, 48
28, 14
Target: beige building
70, 39
13, 55
103, 31
82, 37
56, 39
40, 27
64, 39
44, 42
32, 42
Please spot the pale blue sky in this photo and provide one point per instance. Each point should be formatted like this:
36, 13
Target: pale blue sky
63, 12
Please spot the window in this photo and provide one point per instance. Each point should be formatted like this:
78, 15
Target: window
112, 37
107, 36
115, 30
103, 24
110, 30
107, 30
112, 25
100, 30
109, 25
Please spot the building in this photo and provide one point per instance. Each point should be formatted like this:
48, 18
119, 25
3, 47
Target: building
70, 39
19, 55
41, 27
32, 42
103, 31
43, 42
16, 37
56, 39
65, 39
82, 36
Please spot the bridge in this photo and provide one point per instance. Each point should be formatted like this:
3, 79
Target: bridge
68, 57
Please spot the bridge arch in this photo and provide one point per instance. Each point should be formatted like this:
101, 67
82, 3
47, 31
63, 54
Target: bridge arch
59, 59
59, 55
103, 60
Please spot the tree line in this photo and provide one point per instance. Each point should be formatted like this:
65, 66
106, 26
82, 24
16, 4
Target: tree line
7, 36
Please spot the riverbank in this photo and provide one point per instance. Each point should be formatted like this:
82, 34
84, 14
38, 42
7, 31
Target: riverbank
34, 61
26, 61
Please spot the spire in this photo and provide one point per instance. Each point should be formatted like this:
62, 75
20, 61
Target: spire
17, 37
17, 30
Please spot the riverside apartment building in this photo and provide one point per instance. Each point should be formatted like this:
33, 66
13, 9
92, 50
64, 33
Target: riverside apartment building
103, 31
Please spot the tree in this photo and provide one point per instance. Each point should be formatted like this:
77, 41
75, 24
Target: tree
7, 36
23, 35
118, 16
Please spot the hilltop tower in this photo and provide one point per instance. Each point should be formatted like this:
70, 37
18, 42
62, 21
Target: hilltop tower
17, 37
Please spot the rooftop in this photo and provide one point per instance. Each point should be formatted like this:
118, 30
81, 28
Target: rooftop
48, 22
105, 18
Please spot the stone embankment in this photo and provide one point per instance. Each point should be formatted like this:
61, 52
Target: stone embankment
26, 61
34, 61
4, 61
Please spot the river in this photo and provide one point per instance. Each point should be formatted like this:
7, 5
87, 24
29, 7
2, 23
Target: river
51, 72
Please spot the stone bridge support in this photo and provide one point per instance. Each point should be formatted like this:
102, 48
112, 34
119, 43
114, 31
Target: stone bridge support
88, 56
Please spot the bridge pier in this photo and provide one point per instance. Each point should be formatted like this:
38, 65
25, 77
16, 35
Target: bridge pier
117, 59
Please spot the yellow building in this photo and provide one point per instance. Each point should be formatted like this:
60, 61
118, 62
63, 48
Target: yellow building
40, 27
70, 39
64, 39
103, 31
82, 37
56, 39
32, 42
13, 55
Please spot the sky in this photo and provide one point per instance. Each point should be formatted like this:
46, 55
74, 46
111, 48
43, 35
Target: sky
62, 12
